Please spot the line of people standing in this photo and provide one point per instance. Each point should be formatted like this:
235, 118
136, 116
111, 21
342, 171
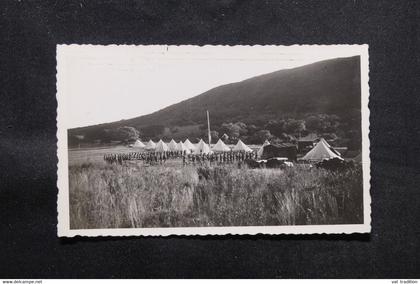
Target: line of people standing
148, 157
161, 157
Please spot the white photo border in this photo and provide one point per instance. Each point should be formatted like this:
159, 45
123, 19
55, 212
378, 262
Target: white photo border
63, 226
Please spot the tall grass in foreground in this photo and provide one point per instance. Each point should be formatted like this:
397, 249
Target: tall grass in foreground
113, 196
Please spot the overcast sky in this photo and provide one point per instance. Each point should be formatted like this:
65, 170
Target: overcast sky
100, 84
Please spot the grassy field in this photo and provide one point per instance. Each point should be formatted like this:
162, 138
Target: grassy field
134, 195
95, 155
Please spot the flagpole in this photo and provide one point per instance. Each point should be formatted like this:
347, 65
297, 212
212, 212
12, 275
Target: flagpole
208, 127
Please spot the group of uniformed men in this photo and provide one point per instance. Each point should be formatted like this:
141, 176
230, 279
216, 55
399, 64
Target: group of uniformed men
219, 158
161, 157
148, 157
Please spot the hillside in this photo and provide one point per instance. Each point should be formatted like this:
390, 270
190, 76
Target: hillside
327, 87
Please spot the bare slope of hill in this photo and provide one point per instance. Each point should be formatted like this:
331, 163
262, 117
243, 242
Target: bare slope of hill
330, 86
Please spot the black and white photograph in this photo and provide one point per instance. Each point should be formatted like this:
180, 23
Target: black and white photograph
210, 140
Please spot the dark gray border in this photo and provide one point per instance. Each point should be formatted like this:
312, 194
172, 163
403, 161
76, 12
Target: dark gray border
31, 29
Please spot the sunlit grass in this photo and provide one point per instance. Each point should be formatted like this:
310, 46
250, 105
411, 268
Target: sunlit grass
114, 196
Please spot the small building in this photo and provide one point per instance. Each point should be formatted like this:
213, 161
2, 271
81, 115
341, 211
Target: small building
282, 150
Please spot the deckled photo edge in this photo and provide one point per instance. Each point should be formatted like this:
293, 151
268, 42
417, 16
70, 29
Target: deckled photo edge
63, 226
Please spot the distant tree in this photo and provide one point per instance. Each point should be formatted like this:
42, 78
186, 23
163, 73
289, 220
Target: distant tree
322, 123
259, 137
252, 129
127, 133
334, 123
314, 123
214, 135
263, 135
276, 127
290, 126
294, 126
232, 130
242, 128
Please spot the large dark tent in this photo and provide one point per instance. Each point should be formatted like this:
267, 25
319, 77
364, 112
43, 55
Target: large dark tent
283, 150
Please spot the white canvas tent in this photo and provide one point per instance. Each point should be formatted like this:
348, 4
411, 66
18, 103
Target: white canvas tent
181, 147
189, 145
161, 146
150, 145
240, 146
331, 148
220, 147
202, 148
138, 144
261, 150
172, 145
320, 152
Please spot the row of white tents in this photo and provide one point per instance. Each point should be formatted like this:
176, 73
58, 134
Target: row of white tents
321, 151
200, 148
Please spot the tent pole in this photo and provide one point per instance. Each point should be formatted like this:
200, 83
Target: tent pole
208, 127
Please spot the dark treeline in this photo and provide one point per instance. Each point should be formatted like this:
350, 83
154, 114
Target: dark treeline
339, 130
